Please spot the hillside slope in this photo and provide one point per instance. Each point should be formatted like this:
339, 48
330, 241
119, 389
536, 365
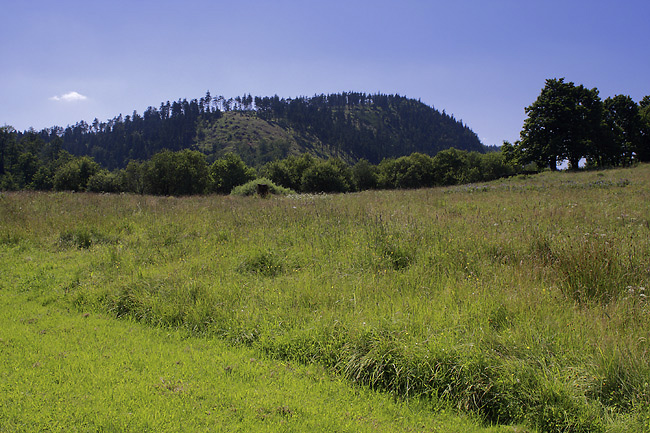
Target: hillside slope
351, 126
256, 140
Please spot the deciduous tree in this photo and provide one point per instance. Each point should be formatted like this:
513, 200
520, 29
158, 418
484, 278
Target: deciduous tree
74, 174
563, 123
176, 173
332, 175
625, 126
229, 172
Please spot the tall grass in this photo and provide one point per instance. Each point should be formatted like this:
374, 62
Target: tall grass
521, 301
64, 370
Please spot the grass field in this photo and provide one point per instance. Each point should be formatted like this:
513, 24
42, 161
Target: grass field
519, 303
68, 371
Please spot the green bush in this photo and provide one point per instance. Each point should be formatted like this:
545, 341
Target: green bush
364, 175
414, 171
229, 172
251, 188
74, 175
176, 173
104, 181
289, 172
332, 175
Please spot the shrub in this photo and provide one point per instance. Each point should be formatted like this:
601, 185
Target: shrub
251, 188
229, 172
289, 172
332, 175
364, 175
414, 171
104, 181
176, 173
74, 175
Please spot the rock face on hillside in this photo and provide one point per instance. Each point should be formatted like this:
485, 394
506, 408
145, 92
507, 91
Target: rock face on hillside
351, 126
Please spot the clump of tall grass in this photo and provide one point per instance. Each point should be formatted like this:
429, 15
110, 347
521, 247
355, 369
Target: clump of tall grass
390, 248
594, 269
473, 380
589, 267
266, 263
83, 238
622, 380
9, 238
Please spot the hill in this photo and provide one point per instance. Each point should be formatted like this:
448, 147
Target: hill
351, 126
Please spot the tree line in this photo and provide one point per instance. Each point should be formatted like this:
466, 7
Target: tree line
121, 139
566, 123
29, 162
371, 126
571, 123
354, 125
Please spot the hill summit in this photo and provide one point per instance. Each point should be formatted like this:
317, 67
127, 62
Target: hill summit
349, 125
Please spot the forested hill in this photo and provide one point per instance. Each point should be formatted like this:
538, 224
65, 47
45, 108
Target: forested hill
351, 126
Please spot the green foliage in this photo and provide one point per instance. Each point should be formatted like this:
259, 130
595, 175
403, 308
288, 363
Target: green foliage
349, 125
134, 177
176, 173
27, 161
229, 172
451, 167
42, 179
74, 174
364, 176
569, 122
332, 175
562, 123
624, 141
105, 181
186, 173
494, 165
414, 171
252, 188
9, 183
448, 167
289, 171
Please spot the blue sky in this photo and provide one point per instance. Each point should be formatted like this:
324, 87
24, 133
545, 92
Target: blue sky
482, 61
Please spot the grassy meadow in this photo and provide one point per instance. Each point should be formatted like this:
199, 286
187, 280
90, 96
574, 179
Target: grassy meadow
516, 305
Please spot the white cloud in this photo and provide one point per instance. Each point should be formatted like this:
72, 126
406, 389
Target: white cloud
69, 97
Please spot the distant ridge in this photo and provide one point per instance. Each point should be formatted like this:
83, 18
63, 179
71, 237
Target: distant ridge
348, 125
